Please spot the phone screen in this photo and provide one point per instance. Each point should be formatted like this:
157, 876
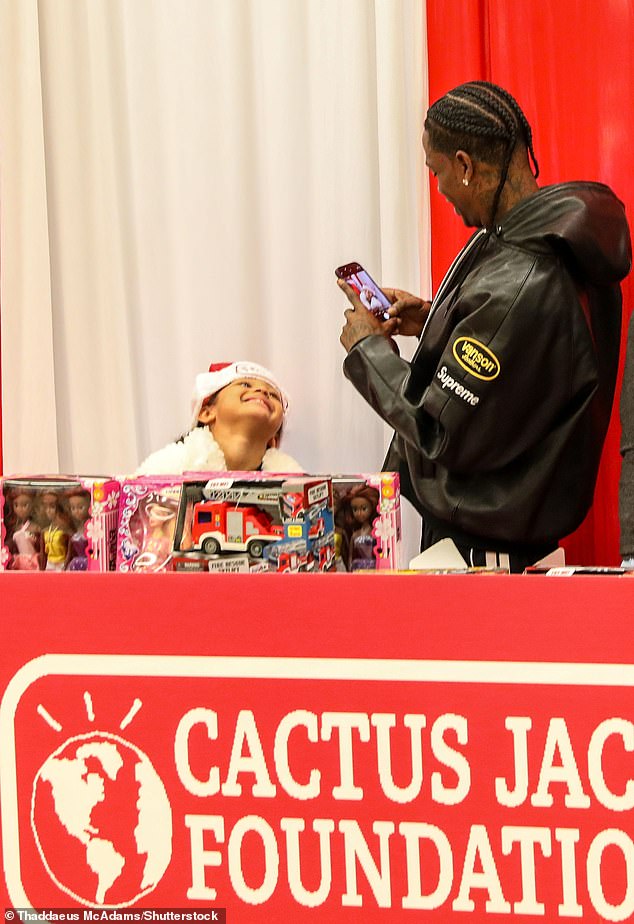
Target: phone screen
366, 288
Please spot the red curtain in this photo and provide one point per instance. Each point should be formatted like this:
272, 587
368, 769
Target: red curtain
569, 65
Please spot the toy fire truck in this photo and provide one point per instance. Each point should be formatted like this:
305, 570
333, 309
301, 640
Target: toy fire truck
221, 526
285, 523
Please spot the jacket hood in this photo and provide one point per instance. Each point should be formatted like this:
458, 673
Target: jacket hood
582, 221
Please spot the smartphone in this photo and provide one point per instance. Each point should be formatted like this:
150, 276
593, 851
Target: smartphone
366, 288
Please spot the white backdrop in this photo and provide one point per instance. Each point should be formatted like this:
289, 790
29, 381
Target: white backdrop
179, 179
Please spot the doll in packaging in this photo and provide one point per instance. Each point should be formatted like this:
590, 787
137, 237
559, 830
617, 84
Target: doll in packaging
364, 508
24, 536
79, 507
158, 516
56, 534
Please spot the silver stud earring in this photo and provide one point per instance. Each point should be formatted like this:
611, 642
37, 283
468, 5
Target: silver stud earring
465, 181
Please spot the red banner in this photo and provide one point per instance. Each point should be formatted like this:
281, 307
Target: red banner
356, 747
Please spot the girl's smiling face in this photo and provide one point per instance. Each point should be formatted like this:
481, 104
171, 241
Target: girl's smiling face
249, 397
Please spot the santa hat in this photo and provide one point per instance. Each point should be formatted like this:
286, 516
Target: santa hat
221, 374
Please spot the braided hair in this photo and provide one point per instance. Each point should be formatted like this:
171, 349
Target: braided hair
485, 121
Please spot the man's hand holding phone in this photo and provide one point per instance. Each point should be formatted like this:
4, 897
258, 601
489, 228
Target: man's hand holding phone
360, 322
409, 311
396, 311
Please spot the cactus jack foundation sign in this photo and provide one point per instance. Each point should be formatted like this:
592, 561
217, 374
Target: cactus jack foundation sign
321, 789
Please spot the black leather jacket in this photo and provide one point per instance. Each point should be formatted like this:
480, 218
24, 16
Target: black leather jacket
501, 415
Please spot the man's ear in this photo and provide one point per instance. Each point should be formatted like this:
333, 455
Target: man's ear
465, 165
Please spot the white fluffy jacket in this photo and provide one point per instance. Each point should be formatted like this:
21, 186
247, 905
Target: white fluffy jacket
199, 452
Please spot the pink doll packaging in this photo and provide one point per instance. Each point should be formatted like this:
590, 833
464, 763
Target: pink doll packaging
149, 510
367, 521
58, 523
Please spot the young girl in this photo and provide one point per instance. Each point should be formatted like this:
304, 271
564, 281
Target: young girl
238, 412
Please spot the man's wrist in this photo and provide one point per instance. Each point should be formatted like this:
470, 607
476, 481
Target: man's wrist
361, 338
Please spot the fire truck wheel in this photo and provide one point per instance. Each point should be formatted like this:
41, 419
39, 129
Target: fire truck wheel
255, 548
211, 546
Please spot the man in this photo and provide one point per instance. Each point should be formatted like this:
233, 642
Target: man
501, 415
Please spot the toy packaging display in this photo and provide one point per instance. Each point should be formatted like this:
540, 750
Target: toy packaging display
367, 510
58, 523
147, 521
255, 522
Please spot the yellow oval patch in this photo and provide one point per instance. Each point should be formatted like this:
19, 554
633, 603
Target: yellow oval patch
476, 358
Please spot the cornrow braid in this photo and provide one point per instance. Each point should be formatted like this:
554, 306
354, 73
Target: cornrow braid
484, 120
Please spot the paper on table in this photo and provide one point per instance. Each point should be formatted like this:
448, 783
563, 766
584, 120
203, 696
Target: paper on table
556, 559
443, 554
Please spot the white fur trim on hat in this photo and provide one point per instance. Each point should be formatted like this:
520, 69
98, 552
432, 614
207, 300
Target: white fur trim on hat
209, 383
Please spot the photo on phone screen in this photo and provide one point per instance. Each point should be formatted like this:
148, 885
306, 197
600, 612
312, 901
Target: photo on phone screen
366, 288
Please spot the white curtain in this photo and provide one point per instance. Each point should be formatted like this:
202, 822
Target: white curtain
179, 179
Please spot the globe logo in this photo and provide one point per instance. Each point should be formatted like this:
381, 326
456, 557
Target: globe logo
101, 820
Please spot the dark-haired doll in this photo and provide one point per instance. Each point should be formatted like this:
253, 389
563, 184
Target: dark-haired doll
79, 506
24, 535
364, 507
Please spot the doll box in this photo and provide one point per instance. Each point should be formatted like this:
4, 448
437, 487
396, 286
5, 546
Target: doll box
58, 523
147, 521
367, 509
283, 522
